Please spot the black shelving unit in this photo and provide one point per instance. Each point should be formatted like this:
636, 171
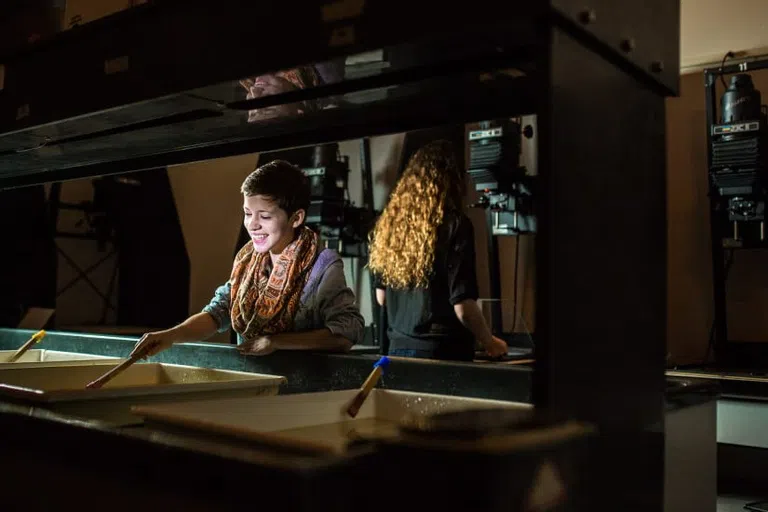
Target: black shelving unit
153, 87
725, 351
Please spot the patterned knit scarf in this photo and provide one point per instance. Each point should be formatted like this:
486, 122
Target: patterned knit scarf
302, 77
266, 302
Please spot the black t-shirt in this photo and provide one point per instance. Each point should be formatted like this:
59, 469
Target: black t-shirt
423, 319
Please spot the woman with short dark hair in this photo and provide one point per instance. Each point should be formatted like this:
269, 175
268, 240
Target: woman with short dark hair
286, 292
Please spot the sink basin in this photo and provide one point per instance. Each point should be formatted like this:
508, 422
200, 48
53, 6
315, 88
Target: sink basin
62, 388
308, 422
48, 357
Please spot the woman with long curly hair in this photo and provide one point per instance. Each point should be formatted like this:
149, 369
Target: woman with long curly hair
422, 254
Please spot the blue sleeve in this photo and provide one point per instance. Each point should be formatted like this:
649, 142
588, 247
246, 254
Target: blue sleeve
219, 306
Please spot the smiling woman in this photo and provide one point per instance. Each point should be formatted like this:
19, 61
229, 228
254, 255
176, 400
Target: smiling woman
285, 291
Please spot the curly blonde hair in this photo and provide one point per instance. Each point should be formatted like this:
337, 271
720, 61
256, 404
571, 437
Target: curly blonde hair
402, 243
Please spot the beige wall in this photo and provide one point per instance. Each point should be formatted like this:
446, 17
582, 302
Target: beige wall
209, 190
710, 28
208, 202
210, 208
209, 205
690, 308
688, 265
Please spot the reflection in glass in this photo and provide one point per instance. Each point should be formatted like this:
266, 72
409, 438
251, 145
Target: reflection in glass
302, 77
445, 63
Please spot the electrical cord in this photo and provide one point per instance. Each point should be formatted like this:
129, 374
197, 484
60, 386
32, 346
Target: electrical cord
521, 313
728, 55
711, 344
729, 260
514, 289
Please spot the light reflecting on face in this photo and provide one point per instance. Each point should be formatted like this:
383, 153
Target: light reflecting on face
268, 225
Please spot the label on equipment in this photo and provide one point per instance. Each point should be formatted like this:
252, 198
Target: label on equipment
486, 134
314, 171
724, 129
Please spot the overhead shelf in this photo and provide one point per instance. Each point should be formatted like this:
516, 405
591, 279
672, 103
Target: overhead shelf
205, 133
159, 84
171, 94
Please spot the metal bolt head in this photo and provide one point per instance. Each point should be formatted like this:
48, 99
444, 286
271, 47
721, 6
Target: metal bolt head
627, 45
587, 16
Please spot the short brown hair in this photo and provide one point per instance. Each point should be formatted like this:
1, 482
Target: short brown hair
282, 182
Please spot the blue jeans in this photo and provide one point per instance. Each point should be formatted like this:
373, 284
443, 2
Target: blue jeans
407, 352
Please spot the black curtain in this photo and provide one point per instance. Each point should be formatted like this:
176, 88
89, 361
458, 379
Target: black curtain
153, 285
28, 272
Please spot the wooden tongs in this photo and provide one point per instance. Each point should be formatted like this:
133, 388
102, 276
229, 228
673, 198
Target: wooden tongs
114, 372
354, 405
39, 335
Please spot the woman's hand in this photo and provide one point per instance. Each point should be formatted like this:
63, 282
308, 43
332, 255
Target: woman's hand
155, 342
260, 346
496, 347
